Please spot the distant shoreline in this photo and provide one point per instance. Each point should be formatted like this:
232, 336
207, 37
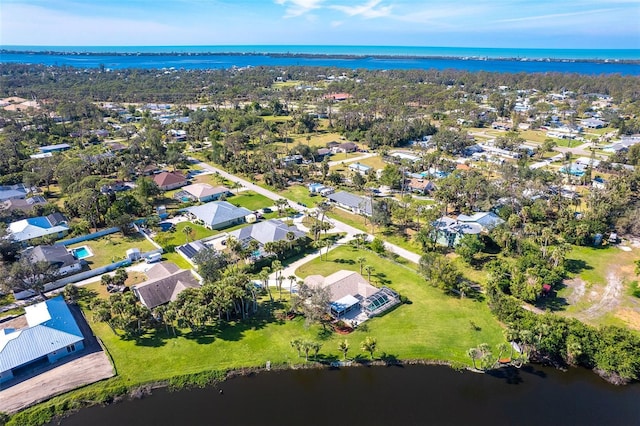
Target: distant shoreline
313, 56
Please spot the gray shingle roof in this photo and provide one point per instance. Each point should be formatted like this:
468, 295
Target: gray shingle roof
268, 231
163, 288
57, 255
51, 328
352, 201
218, 212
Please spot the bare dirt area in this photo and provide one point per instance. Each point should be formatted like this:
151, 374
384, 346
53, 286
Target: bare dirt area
609, 300
578, 288
79, 372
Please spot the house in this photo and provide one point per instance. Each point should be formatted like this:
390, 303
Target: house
57, 256
351, 294
404, 155
13, 192
363, 169
167, 181
323, 152
347, 147
55, 148
165, 282
204, 192
338, 96
218, 214
53, 225
352, 202
267, 232
189, 250
421, 186
22, 204
450, 230
47, 332
593, 123
315, 188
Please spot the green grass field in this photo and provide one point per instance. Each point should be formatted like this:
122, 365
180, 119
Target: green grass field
250, 200
111, 248
439, 325
178, 237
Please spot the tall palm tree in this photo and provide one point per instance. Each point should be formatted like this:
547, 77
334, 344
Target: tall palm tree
343, 347
187, 231
361, 261
370, 344
474, 354
369, 269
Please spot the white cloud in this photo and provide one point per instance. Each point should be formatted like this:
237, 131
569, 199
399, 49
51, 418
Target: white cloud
298, 7
366, 10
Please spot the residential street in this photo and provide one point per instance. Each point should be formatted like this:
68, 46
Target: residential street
340, 226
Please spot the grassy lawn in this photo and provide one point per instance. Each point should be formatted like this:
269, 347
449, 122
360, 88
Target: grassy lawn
177, 259
351, 219
178, 237
319, 139
439, 325
376, 162
250, 200
112, 248
300, 194
592, 264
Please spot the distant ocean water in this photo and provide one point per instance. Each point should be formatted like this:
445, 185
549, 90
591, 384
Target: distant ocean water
470, 59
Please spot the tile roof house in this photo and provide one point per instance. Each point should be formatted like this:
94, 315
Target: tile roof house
218, 214
352, 202
23, 204
167, 181
165, 282
54, 225
51, 333
265, 232
58, 256
204, 192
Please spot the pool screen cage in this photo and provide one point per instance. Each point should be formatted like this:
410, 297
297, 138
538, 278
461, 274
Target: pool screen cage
380, 301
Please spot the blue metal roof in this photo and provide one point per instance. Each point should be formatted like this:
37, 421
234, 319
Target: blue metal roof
51, 328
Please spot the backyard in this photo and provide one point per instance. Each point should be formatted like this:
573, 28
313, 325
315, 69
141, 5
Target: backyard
113, 247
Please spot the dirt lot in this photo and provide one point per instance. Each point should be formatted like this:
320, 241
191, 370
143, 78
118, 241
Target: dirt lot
79, 372
43, 382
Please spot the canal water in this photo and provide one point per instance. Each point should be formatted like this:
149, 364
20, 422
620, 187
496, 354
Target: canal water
409, 395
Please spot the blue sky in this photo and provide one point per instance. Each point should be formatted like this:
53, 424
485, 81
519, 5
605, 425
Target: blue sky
467, 23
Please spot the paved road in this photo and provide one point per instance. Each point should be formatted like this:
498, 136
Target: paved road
340, 226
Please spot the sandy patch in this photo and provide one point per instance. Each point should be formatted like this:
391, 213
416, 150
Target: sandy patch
610, 297
577, 287
630, 317
624, 248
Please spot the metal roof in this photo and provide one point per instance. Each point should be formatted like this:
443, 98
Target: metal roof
51, 328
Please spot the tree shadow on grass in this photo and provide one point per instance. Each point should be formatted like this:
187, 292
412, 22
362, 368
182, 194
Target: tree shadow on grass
326, 359
382, 279
575, 266
390, 359
154, 339
344, 261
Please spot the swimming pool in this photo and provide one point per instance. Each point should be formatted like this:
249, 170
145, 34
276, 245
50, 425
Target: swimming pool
81, 252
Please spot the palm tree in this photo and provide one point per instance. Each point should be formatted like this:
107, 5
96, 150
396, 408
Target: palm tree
473, 354
297, 345
370, 344
343, 347
327, 243
369, 269
188, 231
361, 261
292, 279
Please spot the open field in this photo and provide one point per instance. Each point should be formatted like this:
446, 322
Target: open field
111, 248
599, 289
250, 200
178, 237
439, 325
